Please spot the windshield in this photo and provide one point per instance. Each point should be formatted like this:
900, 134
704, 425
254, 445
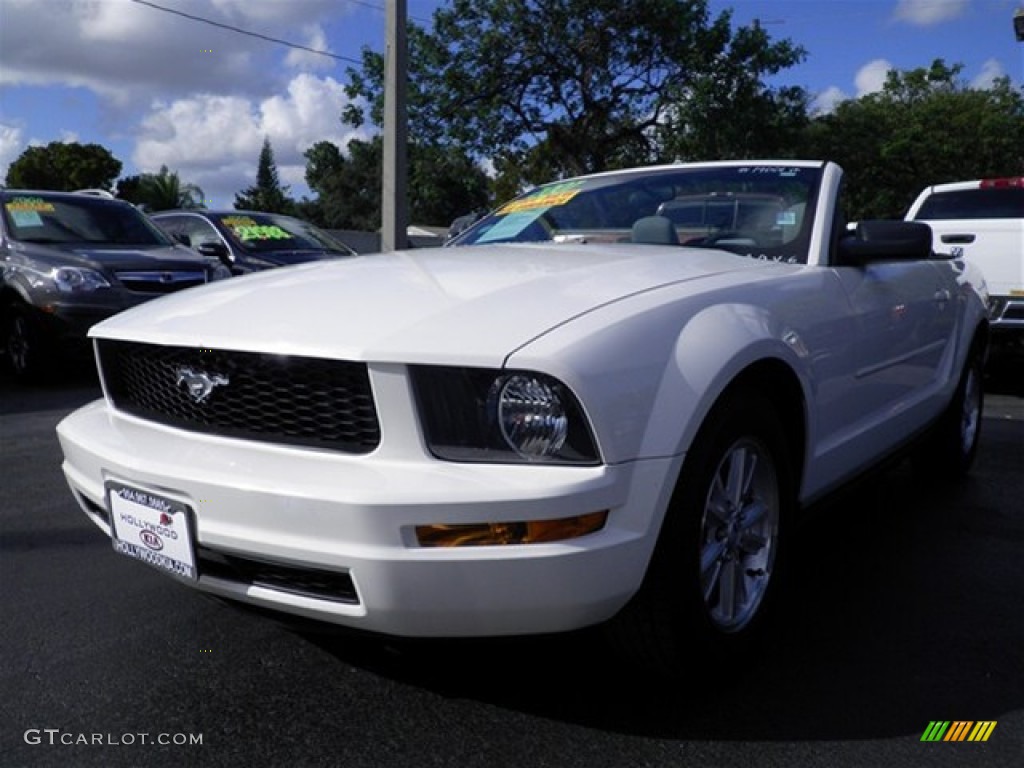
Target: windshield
755, 210
75, 219
268, 232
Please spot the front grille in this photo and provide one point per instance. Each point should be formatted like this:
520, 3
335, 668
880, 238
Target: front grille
160, 281
271, 398
1014, 311
311, 582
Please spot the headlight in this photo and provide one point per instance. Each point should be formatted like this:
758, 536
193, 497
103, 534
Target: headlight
476, 414
530, 414
78, 280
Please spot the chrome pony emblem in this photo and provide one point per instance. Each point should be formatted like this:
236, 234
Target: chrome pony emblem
199, 384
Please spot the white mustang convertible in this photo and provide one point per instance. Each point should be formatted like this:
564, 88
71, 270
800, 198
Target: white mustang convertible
611, 397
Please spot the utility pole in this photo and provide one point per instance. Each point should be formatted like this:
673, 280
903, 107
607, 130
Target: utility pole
394, 196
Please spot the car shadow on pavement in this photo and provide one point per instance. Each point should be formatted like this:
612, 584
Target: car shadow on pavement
1004, 374
897, 614
73, 385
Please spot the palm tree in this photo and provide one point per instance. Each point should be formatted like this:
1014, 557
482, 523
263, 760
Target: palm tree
165, 190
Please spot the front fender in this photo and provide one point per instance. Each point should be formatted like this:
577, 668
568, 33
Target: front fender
647, 377
711, 352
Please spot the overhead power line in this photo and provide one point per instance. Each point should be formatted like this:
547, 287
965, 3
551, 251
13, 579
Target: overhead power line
241, 31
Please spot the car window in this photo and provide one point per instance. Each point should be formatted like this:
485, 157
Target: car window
997, 203
41, 218
265, 232
753, 210
198, 230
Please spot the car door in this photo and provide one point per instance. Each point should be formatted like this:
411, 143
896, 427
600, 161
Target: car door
902, 319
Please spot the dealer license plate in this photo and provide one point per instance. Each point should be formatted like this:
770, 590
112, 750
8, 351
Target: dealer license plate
152, 528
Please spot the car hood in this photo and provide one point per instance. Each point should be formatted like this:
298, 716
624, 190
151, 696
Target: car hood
114, 257
463, 305
156, 257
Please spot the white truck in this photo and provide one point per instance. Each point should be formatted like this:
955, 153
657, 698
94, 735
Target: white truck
982, 221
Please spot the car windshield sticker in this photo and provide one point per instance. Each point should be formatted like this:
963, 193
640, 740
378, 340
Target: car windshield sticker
785, 219
30, 204
25, 218
545, 197
268, 232
510, 226
770, 170
246, 228
234, 222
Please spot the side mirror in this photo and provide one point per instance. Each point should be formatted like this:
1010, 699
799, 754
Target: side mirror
214, 248
886, 241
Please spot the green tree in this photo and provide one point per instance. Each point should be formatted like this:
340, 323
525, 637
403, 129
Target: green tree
443, 184
64, 166
924, 127
547, 88
130, 188
160, 191
727, 111
348, 188
267, 194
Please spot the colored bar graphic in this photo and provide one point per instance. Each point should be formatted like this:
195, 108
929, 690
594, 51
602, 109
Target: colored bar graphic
958, 730
935, 731
982, 730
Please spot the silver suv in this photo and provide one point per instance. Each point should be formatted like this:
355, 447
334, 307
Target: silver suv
69, 260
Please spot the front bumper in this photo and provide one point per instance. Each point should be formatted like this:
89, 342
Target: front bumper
1006, 314
308, 511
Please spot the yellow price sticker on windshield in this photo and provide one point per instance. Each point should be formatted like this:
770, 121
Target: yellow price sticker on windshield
36, 204
546, 197
268, 232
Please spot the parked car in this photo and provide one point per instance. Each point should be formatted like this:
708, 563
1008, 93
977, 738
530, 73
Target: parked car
982, 221
249, 241
69, 260
564, 418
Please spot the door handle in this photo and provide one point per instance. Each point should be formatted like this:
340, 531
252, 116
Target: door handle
942, 296
957, 239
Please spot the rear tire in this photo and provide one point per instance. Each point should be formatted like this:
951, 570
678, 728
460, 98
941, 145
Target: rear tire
951, 447
717, 563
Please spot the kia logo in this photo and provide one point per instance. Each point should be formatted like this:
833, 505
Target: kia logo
151, 540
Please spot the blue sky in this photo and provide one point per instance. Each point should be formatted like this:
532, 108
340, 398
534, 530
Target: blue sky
159, 89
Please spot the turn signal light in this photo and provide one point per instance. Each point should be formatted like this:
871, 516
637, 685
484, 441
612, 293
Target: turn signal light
500, 534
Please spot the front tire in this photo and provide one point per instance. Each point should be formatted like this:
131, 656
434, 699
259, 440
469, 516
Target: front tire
718, 559
25, 344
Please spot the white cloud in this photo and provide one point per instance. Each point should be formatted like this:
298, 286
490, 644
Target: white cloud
825, 102
175, 91
126, 51
990, 71
279, 11
11, 146
871, 77
305, 60
926, 13
215, 141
